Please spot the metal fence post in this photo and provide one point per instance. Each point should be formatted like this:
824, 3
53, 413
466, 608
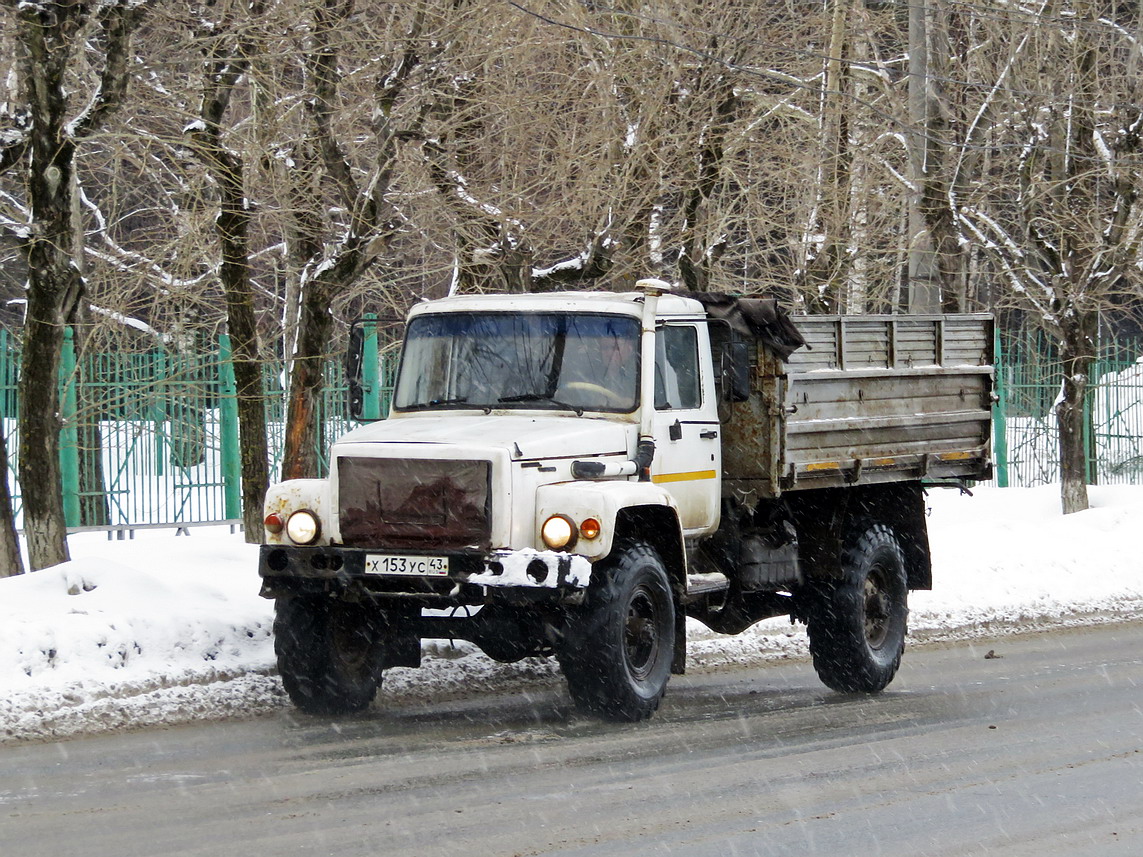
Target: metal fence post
370, 375
159, 411
9, 381
1000, 413
69, 431
1090, 462
228, 431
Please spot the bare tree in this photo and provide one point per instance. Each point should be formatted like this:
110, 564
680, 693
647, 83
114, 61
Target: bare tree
11, 561
52, 37
228, 45
1064, 224
13, 132
643, 127
334, 254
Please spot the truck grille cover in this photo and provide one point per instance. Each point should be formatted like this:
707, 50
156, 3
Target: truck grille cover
418, 503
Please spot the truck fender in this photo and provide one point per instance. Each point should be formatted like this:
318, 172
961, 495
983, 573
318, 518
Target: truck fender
632, 509
603, 501
285, 498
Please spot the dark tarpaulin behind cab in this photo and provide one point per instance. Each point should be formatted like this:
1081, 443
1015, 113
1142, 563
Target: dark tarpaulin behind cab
760, 318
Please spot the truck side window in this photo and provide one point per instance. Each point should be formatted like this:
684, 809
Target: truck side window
677, 381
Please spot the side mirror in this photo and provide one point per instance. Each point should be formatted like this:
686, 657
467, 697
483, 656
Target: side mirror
354, 357
368, 372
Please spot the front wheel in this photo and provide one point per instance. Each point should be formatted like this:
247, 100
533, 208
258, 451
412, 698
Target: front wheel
618, 650
330, 653
857, 622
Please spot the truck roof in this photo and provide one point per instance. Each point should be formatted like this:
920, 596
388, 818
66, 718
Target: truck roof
626, 303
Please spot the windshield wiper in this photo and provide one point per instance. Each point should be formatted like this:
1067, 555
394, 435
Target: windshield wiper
541, 397
432, 403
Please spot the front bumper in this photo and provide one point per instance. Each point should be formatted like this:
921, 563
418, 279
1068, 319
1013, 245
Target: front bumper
473, 577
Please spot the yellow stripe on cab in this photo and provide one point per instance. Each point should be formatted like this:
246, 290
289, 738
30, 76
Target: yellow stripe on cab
691, 476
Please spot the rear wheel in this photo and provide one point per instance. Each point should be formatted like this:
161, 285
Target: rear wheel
857, 622
330, 653
618, 650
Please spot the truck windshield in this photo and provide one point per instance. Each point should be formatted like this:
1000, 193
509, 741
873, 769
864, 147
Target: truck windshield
564, 361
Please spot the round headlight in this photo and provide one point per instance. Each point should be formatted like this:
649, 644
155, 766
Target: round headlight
303, 527
559, 532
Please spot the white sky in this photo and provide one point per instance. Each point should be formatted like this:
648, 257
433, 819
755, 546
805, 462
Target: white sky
166, 629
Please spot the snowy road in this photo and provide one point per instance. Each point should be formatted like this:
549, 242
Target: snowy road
1039, 750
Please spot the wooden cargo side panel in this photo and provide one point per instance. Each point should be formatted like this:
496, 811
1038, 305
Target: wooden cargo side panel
892, 341
871, 399
887, 428
892, 397
842, 395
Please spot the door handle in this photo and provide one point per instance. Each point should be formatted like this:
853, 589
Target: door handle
708, 435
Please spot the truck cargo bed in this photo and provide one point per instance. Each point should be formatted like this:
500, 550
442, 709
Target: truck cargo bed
869, 399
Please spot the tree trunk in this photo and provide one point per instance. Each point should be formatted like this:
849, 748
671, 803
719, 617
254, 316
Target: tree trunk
307, 382
93, 506
11, 563
40, 478
233, 226
372, 223
923, 282
937, 260
828, 272
50, 35
1077, 356
516, 268
226, 65
700, 253
54, 287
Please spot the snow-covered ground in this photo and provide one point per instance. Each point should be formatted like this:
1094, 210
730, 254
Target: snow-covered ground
165, 629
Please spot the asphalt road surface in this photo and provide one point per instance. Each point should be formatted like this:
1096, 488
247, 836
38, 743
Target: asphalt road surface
1036, 751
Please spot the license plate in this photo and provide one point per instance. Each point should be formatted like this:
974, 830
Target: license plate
424, 566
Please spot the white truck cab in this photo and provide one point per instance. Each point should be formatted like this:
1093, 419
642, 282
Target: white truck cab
573, 356
547, 391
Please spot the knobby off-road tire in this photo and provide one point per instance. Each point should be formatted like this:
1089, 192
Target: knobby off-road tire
857, 623
330, 653
618, 648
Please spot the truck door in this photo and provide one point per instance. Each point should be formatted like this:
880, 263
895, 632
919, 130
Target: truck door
687, 449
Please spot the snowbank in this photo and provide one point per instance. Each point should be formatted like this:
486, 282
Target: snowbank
165, 629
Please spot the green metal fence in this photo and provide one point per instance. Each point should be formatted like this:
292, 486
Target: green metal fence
1029, 381
152, 437
146, 438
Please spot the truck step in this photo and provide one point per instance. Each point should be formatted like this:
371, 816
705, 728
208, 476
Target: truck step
700, 584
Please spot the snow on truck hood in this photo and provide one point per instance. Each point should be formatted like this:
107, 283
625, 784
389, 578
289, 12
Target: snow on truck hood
524, 437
